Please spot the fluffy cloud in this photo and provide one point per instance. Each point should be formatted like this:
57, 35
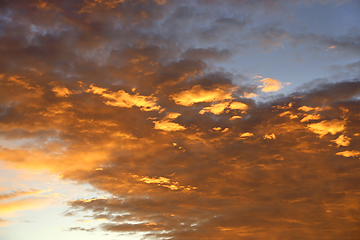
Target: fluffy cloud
123, 99
271, 85
342, 140
327, 126
198, 94
347, 153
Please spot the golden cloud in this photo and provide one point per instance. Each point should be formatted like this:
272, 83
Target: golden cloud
327, 126
198, 94
10, 208
124, 99
168, 126
271, 85
61, 91
216, 109
347, 153
342, 140
309, 117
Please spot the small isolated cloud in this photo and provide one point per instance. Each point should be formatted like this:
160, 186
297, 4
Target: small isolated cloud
164, 182
61, 91
352, 153
246, 135
324, 127
342, 140
309, 117
215, 108
81, 229
235, 117
168, 126
250, 95
271, 85
198, 94
257, 76
332, 47
124, 99
308, 109
288, 113
239, 106
172, 115
270, 136
219, 108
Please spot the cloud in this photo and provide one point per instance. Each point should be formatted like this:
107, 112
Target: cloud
271, 85
347, 153
198, 94
22, 205
123, 99
239, 106
250, 95
164, 182
81, 229
332, 47
168, 126
310, 117
216, 108
342, 140
327, 126
61, 91
152, 103
245, 135
269, 136
308, 109
18, 193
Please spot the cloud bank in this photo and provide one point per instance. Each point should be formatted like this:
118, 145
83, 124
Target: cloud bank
126, 96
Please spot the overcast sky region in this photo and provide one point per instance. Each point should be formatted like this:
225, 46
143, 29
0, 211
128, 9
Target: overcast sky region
179, 119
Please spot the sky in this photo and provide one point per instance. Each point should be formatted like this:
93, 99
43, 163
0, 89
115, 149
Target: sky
169, 119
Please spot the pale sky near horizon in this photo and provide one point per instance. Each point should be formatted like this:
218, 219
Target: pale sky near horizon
169, 119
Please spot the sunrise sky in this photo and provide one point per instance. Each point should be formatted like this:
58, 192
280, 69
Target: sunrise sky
179, 119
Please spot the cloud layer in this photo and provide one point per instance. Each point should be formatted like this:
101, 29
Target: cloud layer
126, 96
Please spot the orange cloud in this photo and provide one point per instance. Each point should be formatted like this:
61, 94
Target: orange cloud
327, 126
309, 117
308, 109
216, 109
239, 106
246, 135
342, 140
164, 182
123, 99
270, 136
198, 94
61, 91
10, 208
271, 85
18, 193
235, 117
347, 153
168, 126
288, 113
250, 95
